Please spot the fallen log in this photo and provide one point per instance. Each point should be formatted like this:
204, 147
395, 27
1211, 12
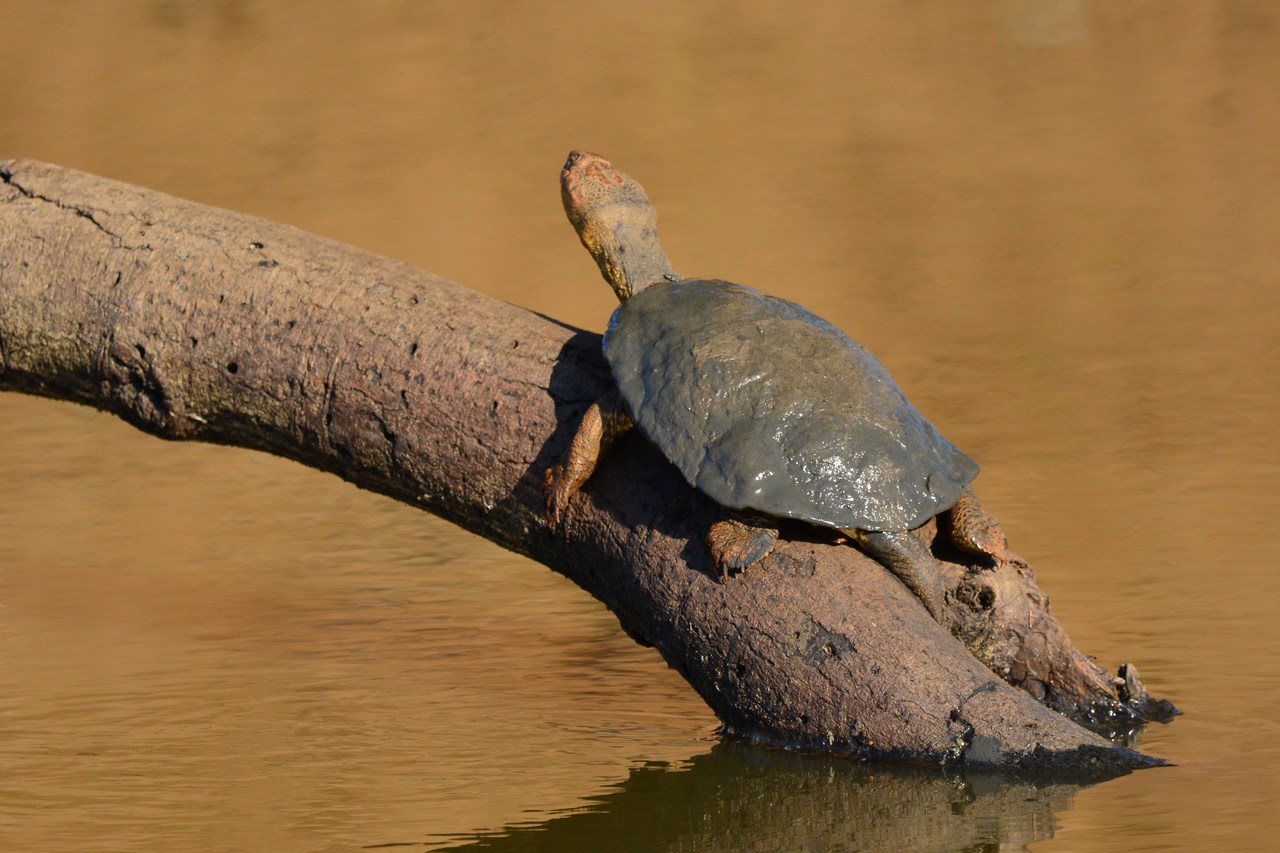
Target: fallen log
194, 323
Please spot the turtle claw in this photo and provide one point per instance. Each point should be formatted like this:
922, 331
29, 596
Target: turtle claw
998, 552
991, 549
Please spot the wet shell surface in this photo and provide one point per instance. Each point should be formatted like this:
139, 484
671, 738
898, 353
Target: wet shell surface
763, 405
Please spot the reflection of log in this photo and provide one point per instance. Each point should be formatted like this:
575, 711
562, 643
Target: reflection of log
734, 799
195, 323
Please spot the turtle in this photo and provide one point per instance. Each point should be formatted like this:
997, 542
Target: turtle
768, 409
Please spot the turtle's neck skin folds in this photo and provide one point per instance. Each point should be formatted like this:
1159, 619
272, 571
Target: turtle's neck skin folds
630, 256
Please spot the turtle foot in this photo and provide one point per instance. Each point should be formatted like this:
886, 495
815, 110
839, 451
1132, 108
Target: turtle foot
602, 423
976, 531
740, 541
557, 490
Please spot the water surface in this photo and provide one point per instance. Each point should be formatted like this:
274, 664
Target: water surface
1055, 222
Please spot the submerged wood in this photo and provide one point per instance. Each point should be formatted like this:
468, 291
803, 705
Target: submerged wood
194, 323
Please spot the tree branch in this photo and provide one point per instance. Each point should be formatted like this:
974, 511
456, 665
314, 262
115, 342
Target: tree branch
199, 324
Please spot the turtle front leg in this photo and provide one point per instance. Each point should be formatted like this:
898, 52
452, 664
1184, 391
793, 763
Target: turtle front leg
975, 530
601, 426
741, 540
909, 559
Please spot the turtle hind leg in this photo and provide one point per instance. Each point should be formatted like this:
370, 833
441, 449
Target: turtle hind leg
601, 426
909, 559
975, 530
741, 540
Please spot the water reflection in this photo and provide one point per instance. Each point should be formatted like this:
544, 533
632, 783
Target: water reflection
740, 798
1054, 220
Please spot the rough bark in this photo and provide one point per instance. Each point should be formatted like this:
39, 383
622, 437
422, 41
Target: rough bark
199, 324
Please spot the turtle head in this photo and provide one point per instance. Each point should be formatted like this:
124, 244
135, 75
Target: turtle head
616, 221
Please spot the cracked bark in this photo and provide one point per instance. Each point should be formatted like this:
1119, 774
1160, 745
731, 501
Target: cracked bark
199, 324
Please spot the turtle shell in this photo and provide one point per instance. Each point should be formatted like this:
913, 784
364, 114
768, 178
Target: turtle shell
763, 405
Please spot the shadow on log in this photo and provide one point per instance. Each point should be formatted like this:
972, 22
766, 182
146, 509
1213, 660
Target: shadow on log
194, 323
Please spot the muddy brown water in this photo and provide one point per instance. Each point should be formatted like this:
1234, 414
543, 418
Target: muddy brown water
1055, 221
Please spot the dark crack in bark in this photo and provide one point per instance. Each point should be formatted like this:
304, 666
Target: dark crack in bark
83, 212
